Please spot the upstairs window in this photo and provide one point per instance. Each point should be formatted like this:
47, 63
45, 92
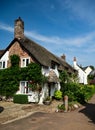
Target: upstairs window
53, 65
25, 62
2, 64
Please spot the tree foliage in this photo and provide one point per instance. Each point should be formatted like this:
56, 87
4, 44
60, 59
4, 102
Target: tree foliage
75, 91
9, 81
64, 76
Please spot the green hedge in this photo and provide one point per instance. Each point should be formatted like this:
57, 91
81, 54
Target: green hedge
20, 98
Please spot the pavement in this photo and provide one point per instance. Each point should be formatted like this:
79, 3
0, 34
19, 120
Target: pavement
79, 119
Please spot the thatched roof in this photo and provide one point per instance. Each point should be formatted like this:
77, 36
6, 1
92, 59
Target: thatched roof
41, 55
65, 66
52, 78
1, 52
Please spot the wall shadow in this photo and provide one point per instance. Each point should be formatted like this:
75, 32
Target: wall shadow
1, 109
89, 111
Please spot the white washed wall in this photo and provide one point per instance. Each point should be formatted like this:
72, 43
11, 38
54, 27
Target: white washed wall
45, 71
5, 58
82, 76
88, 70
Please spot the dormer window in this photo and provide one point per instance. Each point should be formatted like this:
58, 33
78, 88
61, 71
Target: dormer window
25, 62
53, 65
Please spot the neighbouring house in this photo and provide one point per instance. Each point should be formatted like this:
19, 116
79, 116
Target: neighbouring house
83, 72
92, 75
87, 70
31, 52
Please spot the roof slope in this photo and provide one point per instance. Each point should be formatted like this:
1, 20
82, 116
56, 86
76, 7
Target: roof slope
43, 55
40, 54
1, 52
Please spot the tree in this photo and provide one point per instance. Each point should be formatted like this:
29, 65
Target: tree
64, 76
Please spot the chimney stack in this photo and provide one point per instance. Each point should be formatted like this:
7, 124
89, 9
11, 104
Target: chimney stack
63, 57
19, 28
75, 59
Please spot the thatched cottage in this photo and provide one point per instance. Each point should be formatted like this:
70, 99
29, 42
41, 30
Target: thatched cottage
31, 52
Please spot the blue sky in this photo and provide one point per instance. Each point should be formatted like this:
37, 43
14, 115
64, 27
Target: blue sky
61, 26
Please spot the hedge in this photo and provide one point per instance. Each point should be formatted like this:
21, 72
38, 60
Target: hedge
20, 98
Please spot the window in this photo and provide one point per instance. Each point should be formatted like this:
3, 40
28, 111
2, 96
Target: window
2, 64
52, 65
24, 87
25, 62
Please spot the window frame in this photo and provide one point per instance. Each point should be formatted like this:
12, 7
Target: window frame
24, 89
3, 64
26, 63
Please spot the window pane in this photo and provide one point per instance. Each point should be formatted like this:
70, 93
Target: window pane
0, 64
26, 87
27, 62
23, 62
3, 64
22, 87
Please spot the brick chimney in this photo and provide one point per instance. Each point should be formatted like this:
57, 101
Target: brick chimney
75, 59
63, 57
19, 28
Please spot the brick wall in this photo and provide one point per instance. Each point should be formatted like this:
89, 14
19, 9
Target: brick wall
16, 49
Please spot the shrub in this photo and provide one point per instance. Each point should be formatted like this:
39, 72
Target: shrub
78, 92
87, 91
58, 95
71, 96
20, 98
61, 107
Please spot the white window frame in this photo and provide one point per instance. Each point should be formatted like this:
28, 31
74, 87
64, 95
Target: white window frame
2, 64
24, 59
24, 89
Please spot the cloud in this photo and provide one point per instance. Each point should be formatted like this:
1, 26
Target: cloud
81, 46
83, 9
75, 41
79, 41
6, 27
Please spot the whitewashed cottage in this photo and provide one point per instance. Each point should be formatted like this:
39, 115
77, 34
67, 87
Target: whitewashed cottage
31, 52
83, 72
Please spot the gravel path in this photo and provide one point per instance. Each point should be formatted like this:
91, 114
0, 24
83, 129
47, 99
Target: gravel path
80, 119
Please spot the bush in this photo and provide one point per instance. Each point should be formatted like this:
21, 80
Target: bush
61, 107
87, 91
78, 92
20, 98
71, 96
58, 95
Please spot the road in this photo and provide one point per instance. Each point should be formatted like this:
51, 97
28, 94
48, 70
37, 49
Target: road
81, 119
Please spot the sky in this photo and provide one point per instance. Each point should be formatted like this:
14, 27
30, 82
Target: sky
61, 26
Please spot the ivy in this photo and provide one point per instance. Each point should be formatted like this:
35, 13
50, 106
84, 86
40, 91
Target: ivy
14, 60
10, 77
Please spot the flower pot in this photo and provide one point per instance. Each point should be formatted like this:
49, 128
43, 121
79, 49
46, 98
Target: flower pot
47, 102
